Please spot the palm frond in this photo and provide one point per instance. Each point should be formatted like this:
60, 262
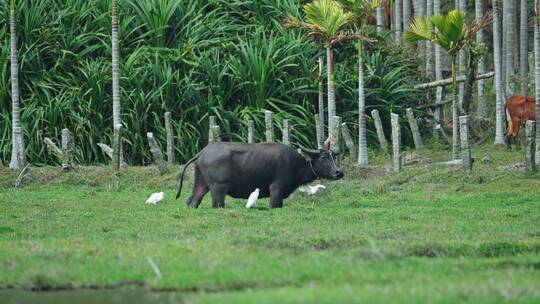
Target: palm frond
420, 29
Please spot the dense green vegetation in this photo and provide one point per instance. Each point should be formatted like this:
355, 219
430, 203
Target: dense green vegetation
232, 59
429, 233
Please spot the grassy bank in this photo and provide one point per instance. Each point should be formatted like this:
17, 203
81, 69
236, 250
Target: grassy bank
430, 233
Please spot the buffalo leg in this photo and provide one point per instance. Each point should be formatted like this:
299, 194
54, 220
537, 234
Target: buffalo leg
200, 188
218, 195
276, 197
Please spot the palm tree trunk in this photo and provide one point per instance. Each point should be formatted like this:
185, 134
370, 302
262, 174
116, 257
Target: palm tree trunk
115, 72
362, 141
321, 98
115, 67
537, 74
523, 49
419, 11
462, 6
331, 89
497, 55
380, 18
429, 45
481, 110
455, 128
397, 19
406, 14
438, 75
510, 43
18, 156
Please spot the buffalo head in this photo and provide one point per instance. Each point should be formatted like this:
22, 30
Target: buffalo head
322, 162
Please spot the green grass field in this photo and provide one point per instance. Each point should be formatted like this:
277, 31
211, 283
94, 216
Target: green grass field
427, 234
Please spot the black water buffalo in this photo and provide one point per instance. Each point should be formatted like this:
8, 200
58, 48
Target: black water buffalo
237, 169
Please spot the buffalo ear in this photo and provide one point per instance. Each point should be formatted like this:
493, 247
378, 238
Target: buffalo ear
337, 150
307, 155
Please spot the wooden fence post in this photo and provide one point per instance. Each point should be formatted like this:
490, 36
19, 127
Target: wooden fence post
319, 130
414, 129
251, 130
530, 157
170, 138
156, 153
380, 131
286, 132
396, 142
349, 142
117, 147
67, 150
464, 135
216, 133
212, 123
269, 126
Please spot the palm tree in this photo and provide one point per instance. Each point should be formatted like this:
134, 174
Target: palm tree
509, 6
537, 73
481, 110
406, 14
115, 70
361, 10
429, 46
324, 21
452, 34
523, 49
462, 6
438, 113
497, 60
397, 20
18, 155
380, 18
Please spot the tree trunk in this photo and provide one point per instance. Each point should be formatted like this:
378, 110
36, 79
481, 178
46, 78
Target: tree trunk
510, 43
455, 126
406, 14
397, 19
331, 88
462, 6
321, 101
470, 68
380, 18
481, 110
67, 150
115, 70
537, 73
524, 49
497, 55
448, 81
438, 76
18, 155
429, 46
362, 141
419, 11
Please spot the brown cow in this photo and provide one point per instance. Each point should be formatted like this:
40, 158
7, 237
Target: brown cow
519, 109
